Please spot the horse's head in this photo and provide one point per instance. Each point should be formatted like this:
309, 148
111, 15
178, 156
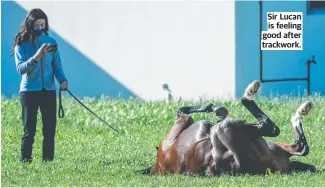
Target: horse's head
148, 171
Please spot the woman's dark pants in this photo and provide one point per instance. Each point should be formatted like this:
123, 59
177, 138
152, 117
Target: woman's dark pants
30, 102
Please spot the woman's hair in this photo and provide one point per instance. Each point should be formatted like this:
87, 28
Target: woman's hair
26, 31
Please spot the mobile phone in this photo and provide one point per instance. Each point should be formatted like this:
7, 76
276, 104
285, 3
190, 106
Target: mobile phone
51, 48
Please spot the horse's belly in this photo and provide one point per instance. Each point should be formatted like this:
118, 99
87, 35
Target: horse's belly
257, 161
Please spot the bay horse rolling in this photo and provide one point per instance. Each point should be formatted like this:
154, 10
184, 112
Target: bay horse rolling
231, 146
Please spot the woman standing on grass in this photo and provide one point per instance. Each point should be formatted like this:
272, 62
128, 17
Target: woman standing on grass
37, 62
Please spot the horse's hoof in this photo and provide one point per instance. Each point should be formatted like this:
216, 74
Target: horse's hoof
252, 89
305, 109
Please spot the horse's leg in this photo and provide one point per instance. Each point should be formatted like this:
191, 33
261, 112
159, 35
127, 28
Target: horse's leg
236, 136
219, 153
219, 110
300, 147
267, 127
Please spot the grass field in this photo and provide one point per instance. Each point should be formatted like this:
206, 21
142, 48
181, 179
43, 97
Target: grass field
88, 153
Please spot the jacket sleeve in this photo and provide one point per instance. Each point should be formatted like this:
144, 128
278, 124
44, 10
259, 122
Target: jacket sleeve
57, 67
23, 65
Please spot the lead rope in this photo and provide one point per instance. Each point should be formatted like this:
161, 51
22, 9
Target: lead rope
61, 115
61, 111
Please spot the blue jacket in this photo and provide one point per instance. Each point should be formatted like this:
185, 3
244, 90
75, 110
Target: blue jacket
40, 75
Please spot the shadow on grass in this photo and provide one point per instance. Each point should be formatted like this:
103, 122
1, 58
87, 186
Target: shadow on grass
295, 167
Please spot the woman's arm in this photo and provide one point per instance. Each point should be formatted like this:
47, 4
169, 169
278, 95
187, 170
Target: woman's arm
57, 67
23, 65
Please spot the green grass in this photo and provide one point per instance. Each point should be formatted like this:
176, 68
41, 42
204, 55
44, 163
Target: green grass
88, 153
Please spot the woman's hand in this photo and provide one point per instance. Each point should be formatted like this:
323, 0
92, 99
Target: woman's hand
40, 52
64, 85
